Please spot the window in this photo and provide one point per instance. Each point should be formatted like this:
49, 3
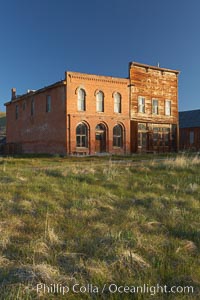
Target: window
167, 107
155, 107
82, 135
24, 105
48, 103
81, 100
118, 136
32, 107
117, 103
142, 136
191, 137
166, 136
141, 104
100, 102
16, 112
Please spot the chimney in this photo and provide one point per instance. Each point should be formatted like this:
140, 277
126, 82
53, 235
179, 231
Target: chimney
13, 91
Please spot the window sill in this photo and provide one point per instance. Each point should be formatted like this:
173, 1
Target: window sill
81, 148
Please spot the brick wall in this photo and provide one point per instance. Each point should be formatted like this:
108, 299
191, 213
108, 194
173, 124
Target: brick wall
42, 132
92, 84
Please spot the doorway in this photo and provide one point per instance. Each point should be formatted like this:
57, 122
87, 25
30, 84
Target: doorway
100, 138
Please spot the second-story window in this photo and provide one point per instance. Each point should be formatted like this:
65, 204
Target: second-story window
24, 105
141, 104
167, 107
48, 103
100, 102
32, 107
81, 100
117, 103
16, 112
155, 106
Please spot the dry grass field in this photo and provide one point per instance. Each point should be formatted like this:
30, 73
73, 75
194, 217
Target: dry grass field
124, 221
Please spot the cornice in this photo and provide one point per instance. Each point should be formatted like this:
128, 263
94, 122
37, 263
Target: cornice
122, 81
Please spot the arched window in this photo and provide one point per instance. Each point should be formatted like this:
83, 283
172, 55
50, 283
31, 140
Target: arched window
118, 136
82, 135
117, 103
81, 100
100, 102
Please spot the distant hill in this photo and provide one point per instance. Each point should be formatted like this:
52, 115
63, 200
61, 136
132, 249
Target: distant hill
2, 125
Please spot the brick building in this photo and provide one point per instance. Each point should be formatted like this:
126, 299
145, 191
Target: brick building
89, 114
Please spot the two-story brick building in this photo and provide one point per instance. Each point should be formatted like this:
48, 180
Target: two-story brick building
90, 114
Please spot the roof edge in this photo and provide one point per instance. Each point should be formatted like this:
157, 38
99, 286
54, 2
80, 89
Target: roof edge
32, 93
153, 67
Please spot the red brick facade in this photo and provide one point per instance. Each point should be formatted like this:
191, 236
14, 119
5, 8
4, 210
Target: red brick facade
91, 84
88, 114
38, 131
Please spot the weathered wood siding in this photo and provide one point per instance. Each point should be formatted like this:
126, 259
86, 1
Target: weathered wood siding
153, 83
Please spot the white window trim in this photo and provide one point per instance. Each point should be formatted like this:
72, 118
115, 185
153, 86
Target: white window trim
100, 102
81, 102
141, 107
168, 108
117, 103
153, 112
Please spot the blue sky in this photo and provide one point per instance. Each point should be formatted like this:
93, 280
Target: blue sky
41, 39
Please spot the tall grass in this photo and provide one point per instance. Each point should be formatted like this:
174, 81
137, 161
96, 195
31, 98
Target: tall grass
62, 221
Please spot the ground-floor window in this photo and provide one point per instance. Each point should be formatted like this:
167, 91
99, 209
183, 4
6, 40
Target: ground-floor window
118, 136
155, 137
82, 135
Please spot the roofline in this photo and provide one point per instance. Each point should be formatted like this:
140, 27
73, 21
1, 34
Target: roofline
90, 74
189, 110
32, 93
153, 67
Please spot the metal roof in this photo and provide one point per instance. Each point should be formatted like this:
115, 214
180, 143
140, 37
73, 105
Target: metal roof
190, 118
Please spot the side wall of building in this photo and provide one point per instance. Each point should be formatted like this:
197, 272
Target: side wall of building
190, 138
33, 128
107, 119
